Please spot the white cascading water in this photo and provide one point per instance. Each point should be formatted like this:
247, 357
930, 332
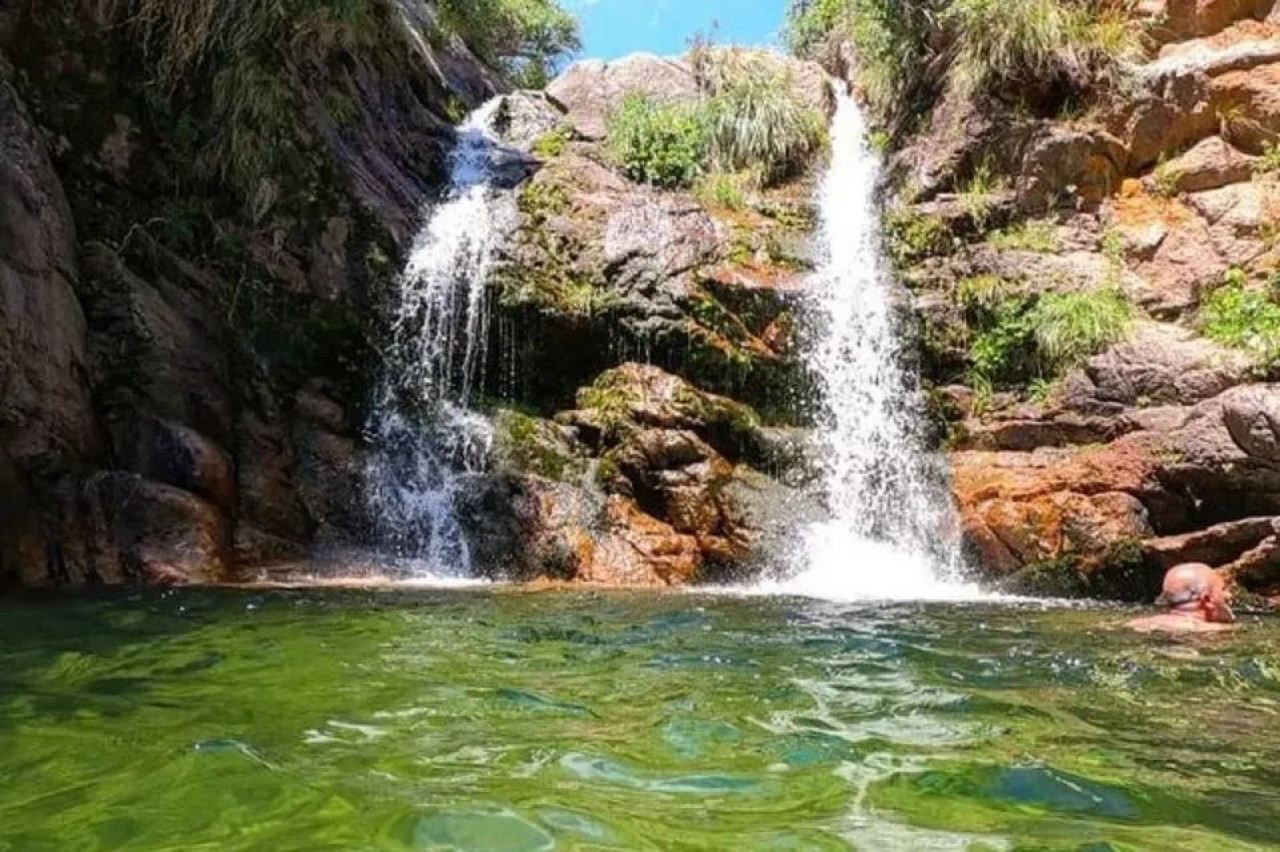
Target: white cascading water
889, 532
425, 438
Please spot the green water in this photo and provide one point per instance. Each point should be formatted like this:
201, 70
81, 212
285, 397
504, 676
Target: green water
489, 720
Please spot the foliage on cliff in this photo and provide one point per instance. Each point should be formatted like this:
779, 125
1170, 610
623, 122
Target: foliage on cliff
238, 73
906, 49
747, 121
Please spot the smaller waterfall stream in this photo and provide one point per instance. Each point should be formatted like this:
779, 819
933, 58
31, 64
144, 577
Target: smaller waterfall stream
426, 439
887, 533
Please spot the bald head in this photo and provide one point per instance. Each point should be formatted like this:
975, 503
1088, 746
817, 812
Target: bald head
1195, 586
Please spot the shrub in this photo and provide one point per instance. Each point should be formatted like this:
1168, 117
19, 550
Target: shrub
890, 37
723, 190
1269, 161
523, 38
552, 143
755, 121
1243, 319
1038, 236
979, 195
660, 145
1070, 327
1036, 41
912, 235
1021, 338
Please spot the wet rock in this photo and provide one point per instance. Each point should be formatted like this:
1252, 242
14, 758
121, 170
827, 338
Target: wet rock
637, 549
634, 397
525, 527
1217, 545
162, 534
176, 455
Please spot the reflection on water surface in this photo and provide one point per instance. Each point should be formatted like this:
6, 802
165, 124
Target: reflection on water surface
497, 720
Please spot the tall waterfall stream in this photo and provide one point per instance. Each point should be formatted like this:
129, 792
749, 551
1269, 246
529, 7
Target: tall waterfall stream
426, 438
889, 531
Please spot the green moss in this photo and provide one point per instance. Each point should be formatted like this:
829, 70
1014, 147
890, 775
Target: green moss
913, 236
1038, 236
531, 445
553, 143
1058, 577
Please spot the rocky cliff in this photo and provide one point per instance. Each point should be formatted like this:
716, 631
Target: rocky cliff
190, 260
1095, 270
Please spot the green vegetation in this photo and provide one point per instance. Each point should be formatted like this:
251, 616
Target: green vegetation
982, 43
1036, 41
523, 38
748, 122
1166, 179
665, 146
755, 122
891, 39
1269, 162
238, 75
552, 143
912, 235
719, 189
1070, 327
1024, 340
1033, 235
979, 195
1244, 319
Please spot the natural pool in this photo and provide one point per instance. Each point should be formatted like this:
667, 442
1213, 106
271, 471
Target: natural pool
501, 720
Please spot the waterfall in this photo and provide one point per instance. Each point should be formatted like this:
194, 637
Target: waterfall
425, 438
888, 531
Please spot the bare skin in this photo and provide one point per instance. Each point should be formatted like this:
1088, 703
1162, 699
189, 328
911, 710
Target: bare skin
1197, 601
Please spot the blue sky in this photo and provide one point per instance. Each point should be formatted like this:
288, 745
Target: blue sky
612, 28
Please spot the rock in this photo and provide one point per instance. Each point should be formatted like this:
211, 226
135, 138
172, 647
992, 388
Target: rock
46, 417
523, 118
329, 474
592, 90
1090, 161
265, 478
533, 445
1239, 217
1185, 19
1217, 545
162, 534
173, 454
1182, 262
638, 550
523, 527
158, 341
675, 476
634, 397
1252, 416
1211, 164
1157, 365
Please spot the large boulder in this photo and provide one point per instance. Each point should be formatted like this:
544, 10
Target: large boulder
592, 90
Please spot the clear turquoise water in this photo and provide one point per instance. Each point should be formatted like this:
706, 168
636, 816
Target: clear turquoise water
497, 720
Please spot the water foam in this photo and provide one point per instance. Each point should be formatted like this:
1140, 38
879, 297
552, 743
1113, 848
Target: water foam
889, 533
